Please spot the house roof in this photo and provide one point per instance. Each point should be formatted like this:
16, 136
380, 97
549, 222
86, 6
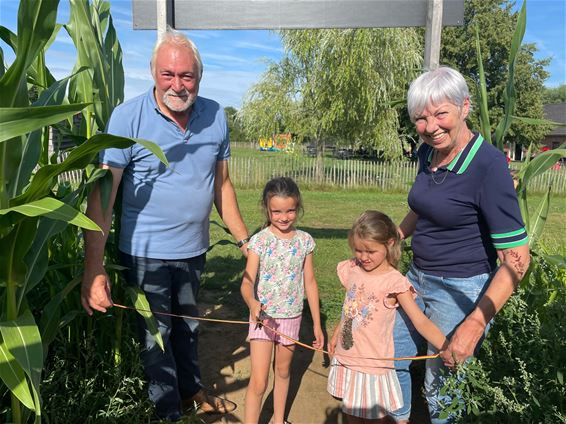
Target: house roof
556, 112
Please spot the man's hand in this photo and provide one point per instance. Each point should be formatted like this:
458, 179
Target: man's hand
95, 292
463, 343
244, 249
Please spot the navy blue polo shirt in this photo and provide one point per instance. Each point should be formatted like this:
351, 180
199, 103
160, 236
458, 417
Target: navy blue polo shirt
466, 210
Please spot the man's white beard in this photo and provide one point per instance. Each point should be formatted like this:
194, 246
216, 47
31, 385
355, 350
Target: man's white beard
174, 101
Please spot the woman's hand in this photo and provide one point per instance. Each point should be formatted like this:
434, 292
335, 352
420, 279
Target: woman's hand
514, 264
463, 343
318, 342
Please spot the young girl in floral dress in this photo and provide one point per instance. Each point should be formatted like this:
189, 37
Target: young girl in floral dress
279, 272
367, 384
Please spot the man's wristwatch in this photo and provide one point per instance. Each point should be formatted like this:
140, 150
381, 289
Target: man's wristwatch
242, 242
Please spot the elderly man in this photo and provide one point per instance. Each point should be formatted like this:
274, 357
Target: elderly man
165, 217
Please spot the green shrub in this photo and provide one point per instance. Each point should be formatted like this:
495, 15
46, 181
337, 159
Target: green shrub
519, 374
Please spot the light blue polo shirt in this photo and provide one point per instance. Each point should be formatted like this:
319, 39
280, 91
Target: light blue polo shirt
165, 211
466, 210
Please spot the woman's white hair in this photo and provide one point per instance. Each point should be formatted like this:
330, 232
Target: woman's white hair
434, 87
172, 36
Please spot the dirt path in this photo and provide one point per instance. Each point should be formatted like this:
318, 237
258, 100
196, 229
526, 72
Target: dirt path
225, 366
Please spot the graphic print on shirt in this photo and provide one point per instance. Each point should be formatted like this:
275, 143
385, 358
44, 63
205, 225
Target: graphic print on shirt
356, 313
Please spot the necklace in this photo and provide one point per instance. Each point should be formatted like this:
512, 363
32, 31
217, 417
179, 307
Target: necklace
435, 159
446, 172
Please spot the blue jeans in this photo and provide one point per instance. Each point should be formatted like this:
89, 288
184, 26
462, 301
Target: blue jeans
170, 286
447, 302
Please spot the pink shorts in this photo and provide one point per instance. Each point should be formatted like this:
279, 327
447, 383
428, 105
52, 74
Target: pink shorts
288, 326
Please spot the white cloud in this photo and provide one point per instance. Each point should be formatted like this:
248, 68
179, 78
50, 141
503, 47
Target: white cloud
258, 46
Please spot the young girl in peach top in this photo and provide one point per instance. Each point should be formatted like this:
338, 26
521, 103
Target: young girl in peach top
368, 386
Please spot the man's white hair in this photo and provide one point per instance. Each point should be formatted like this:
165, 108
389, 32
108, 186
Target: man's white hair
172, 36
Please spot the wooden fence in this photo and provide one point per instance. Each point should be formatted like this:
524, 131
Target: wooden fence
352, 174
252, 172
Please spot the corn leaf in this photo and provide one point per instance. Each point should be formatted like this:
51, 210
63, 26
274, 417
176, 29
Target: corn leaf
50, 322
21, 337
31, 151
14, 377
510, 95
79, 158
535, 121
36, 23
83, 28
485, 125
142, 305
105, 186
54, 209
36, 259
18, 121
153, 148
540, 163
539, 220
15, 245
113, 54
556, 260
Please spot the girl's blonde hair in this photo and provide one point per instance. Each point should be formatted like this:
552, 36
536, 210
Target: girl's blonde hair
281, 187
377, 227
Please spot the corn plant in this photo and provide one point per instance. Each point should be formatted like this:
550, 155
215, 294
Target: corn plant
493, 393
531, 168
33, 209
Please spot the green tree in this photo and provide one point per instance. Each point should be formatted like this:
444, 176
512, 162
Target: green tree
234, 125
496, 22
554, 94
336, 85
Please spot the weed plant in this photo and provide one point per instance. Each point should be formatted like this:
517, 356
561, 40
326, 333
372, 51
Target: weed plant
519, 375
82, 386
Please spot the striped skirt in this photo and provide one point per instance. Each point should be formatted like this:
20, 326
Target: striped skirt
364, 395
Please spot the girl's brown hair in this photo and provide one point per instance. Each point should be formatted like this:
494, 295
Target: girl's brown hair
281, 187
377, 227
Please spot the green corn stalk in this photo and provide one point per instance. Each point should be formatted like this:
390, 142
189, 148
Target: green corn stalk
530, 168
103, 84
31, 210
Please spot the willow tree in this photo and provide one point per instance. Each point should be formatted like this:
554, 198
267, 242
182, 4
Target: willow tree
336, 85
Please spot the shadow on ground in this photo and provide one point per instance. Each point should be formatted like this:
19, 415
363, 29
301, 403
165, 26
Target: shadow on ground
224, 357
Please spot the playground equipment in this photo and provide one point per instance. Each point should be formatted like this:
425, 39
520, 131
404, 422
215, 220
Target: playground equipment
277, 143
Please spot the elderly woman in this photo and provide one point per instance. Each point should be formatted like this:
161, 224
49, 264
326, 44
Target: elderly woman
463, 218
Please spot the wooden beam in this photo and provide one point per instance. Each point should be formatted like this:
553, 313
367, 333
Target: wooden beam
295, 14
164, 14
433, 33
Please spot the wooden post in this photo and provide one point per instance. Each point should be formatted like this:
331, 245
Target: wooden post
164, 16
433, 34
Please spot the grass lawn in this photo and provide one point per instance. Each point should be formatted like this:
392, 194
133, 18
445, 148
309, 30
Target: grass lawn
328, 217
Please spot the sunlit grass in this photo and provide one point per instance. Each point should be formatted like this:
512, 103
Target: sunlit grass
328, 217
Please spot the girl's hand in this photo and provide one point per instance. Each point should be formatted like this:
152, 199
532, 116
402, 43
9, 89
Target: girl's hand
333, 342
318, 342
255, 310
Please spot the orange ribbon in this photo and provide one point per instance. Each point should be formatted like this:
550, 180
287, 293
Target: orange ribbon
225, 321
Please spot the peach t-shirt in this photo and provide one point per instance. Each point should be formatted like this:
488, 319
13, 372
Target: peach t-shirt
367, 318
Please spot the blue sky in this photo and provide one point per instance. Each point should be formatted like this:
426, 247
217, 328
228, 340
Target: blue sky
234, 60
